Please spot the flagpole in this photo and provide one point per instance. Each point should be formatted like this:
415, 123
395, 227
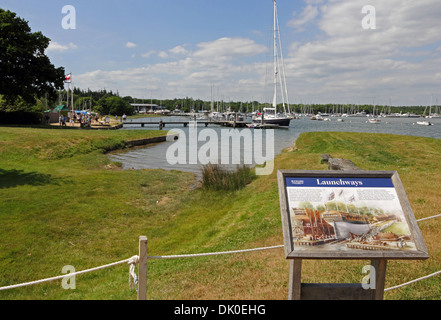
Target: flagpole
68, 80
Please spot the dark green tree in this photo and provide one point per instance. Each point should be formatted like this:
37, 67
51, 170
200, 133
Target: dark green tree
25, 70
112, 105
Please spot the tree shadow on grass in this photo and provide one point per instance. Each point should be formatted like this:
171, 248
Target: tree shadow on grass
14, 178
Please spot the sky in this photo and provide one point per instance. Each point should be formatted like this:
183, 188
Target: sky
334, 51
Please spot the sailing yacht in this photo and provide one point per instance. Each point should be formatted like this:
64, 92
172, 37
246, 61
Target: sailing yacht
375, 118
270, 115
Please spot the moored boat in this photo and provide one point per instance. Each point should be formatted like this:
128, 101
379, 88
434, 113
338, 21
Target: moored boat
425, 123
374, 120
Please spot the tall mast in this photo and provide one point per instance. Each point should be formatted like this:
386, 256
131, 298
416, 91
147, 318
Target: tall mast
275, 57
279, 70
212, 101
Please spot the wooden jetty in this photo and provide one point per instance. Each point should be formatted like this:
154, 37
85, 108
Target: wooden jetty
265, 126
161, 124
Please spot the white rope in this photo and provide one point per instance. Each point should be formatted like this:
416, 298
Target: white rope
132, 274
213, 253
413, 281
432, 217
67, 275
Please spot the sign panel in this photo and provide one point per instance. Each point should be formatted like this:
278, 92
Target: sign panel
348, 215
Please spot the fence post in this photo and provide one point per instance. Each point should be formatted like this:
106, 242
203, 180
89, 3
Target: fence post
142, 269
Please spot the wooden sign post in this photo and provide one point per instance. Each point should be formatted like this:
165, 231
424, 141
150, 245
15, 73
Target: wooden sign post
342, 215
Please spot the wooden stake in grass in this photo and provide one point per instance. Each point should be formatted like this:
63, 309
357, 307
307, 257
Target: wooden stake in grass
142, 270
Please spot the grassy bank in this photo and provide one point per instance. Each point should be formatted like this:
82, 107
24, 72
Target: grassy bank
66, 204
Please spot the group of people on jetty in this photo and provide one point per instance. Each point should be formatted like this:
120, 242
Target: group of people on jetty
86, 120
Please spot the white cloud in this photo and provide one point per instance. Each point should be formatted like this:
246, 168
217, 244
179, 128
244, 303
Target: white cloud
148, 54
163, 54
179, 50
130, 44
191, 75
309, 13
125, 81
227, 48
57, 47
347, 62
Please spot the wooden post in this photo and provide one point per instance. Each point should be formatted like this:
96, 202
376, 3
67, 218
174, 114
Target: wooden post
380, 277
295, 279
142, 270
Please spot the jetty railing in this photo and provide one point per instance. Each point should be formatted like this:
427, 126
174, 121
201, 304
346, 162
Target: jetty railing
163, 123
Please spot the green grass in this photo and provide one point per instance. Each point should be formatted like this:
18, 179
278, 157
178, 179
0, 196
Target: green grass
63, 202
71, 206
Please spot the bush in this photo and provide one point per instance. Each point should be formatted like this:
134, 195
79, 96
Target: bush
214, 177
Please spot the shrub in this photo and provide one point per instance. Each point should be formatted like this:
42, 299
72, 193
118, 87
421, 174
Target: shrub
215, 177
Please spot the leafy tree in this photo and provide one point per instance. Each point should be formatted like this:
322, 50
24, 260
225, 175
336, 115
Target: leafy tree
25, 70
114, 106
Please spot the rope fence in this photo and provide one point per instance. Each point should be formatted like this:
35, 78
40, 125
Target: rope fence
428, 218
213, 253
413, 281
134, 260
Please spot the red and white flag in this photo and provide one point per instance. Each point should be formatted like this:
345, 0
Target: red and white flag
68, 78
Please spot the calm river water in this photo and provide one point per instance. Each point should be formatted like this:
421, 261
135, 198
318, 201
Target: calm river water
154, 156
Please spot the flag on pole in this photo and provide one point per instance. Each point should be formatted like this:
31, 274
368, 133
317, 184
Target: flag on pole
68, 78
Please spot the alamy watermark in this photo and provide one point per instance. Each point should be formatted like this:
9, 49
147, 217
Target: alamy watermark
369, 281
233, 147
69, 21
369, 21
68, 282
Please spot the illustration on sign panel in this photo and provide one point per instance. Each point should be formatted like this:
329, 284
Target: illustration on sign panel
347, 214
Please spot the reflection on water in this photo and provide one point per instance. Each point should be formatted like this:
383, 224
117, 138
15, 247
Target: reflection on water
154, 157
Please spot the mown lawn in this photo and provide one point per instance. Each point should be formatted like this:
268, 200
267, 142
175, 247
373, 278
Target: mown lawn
64, 203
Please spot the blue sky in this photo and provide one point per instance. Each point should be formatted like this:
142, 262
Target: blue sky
178, 48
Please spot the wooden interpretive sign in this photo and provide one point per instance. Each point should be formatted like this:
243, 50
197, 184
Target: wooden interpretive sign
346, 215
